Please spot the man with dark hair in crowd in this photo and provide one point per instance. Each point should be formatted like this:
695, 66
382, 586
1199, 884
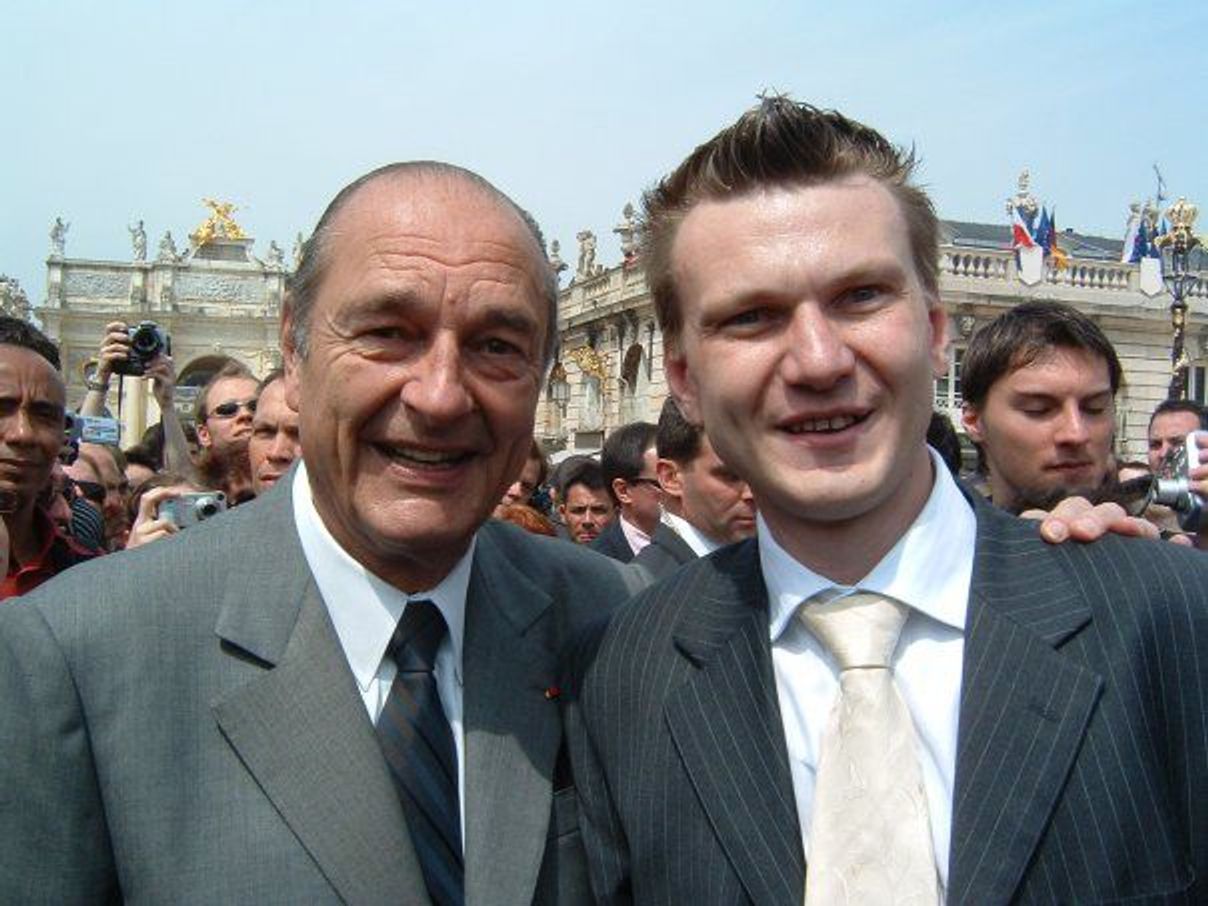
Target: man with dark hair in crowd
902, 681
223, 418
32, 413
1169, 426
274, 444
347, 690
585, 505
705, 505
531, 477
1039, 385
628, 461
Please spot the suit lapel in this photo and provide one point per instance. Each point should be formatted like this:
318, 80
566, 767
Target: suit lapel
726, 726
676, 546
1024, 708
300, 728
512, 729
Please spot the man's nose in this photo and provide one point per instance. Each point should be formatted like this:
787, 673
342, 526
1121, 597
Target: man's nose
1073, 428
817, 355
280, 449
20, 428
435, 387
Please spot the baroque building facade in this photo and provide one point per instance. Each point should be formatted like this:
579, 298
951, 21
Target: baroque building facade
609, 368
215, 299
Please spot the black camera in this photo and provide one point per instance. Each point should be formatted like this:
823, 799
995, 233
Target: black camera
147, 340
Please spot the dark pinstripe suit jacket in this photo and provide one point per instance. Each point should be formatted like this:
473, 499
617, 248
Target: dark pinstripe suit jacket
1082, 768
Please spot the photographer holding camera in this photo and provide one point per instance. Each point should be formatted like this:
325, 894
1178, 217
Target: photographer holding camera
166, 503
131, 351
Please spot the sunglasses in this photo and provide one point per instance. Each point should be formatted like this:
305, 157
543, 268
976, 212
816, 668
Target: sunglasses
89, 490
230, 408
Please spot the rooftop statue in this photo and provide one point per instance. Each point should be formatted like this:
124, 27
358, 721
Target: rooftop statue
138, 241
219, 225
58, 237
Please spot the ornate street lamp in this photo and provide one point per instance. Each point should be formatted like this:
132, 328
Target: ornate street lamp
1178, 278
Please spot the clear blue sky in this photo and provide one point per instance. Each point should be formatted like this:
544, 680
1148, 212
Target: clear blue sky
119, 111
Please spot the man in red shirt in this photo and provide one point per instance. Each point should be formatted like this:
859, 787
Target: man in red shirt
32, 408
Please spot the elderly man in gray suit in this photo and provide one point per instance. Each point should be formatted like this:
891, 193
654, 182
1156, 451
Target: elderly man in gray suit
893, 682
346, 691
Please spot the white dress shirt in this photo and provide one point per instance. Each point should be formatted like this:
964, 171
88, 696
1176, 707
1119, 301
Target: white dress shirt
702, 545
365, 610
929, 570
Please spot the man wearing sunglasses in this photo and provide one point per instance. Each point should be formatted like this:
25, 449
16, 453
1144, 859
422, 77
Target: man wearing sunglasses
225, 408
630, 464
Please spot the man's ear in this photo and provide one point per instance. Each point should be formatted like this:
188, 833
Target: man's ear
204, 440
939, 338
290, 359
670, 481
971, 419
620, 492
681, 382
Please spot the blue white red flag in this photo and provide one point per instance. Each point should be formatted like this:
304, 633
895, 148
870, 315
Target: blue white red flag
1021, 229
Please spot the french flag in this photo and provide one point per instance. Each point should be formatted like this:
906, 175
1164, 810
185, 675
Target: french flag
1021, 230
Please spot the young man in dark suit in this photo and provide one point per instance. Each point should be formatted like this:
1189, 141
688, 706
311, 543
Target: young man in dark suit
628, 461
995, 719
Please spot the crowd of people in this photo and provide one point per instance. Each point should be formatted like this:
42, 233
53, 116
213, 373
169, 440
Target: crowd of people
72, 494
766, 650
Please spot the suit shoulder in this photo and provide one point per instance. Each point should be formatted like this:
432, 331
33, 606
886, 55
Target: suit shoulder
728, 576
186, 574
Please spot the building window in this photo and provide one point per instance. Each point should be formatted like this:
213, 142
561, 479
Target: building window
1197, 377
948, 385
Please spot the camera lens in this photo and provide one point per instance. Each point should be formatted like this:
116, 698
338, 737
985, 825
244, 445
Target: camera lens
145, 341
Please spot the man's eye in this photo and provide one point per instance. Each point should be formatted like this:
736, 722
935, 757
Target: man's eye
385, 333
497, 346
747, 318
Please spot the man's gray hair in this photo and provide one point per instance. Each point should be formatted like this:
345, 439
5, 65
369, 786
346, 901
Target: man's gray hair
304, 283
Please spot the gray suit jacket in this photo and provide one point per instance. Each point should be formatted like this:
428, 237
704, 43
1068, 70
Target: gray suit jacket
1082, 768
179, 724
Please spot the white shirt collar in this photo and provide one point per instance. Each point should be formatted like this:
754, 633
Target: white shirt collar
364, 608
929, 569
702, 545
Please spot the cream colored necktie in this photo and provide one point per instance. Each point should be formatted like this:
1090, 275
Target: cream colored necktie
870, 837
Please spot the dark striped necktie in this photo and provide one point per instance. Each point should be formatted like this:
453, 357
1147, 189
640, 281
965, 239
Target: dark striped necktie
418, 744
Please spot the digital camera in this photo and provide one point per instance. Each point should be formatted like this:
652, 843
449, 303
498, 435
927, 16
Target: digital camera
190, 509
147, 340
1171, 486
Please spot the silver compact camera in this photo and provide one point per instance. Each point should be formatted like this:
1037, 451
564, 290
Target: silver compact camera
1171, 487
190, 509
